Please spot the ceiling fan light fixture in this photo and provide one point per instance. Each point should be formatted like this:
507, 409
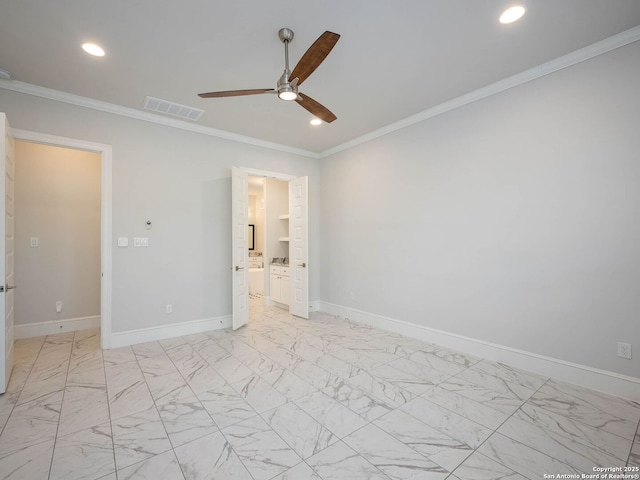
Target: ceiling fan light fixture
315, 121
512, 14
93, 49
287, 93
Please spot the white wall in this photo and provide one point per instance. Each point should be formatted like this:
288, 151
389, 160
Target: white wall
181, 182
514, 219
251, 218
256, 216
57, 201
276, 204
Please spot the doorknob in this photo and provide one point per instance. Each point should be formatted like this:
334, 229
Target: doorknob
303, 265
239, 268
6, 288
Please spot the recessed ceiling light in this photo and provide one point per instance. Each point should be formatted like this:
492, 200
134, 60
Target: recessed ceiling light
315, 121
512, 14
93, 49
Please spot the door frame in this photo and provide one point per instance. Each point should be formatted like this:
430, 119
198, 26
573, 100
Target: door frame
106, 244
254, 172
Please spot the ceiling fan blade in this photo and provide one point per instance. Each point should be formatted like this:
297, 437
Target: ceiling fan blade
320, 111
236, 93
314, 56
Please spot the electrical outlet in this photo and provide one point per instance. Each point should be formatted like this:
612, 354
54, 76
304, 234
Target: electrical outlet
624, 350
58, 306
169, 308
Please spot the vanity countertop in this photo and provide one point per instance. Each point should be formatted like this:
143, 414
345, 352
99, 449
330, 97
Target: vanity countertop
280, 261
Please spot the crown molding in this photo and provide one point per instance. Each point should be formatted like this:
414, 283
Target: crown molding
64, 97
603, 46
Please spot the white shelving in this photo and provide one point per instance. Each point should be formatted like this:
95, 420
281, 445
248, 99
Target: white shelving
284, 217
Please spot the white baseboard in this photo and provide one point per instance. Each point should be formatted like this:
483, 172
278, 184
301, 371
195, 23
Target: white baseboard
150, 334
56, 326
314, 305
596, 379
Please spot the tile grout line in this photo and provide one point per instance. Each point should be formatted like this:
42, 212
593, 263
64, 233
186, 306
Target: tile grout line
395, 408
64, 389
634, 440
474, 450
505, 421
434, 428
155, 406
218, 426
576, 420
106, 391
250, 406
21, 389
323, 426
226, 383
303, 460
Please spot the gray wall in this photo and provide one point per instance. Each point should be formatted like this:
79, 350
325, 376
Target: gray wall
276, 204
514, 219
57, 201
256, 218
181, 182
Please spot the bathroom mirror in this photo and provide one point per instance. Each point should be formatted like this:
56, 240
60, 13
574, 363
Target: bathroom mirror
251, 238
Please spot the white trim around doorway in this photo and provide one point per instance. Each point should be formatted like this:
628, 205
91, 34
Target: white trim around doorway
106, 246
254, 172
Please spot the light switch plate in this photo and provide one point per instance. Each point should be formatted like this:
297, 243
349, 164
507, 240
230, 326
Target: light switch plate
140, 241
123, 241
33, 242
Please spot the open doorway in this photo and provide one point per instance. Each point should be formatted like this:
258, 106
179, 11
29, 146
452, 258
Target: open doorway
276, 274
104, 152
268, 236
57, 239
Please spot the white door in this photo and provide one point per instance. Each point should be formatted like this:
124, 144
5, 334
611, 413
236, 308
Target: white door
299, 247
7, 248
240, 246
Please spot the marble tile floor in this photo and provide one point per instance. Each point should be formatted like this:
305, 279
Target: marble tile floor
291, 399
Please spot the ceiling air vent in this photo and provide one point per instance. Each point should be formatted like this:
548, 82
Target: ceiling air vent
171, 108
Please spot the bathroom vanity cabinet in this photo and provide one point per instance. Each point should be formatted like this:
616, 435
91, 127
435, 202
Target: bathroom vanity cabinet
279, 283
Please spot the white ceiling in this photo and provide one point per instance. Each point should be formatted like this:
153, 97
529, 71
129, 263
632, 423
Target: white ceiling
394, 59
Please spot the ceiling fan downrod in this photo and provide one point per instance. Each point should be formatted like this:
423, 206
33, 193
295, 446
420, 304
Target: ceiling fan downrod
286, 90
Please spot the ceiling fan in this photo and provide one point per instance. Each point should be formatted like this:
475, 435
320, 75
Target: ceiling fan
288, 83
